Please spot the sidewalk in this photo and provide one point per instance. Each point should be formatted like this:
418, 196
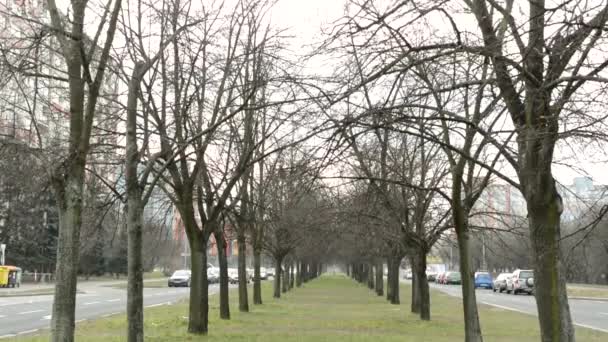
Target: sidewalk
39, 289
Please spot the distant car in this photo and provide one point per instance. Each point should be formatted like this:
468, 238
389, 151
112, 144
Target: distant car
407, 274
213, 275
452, 278
270, 272
431, 276
263, 273
180, 278
521, 281
233, 275
500, 283
483, 280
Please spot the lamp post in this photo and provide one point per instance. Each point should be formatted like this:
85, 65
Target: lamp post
2, 249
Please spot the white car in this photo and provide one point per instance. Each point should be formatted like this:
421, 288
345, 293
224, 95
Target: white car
180, 278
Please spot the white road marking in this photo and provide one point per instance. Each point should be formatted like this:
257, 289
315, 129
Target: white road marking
590, 327
8, 335
27, 332
113, 300
604, 313
2, 316
91, 303
47, 317
154, 305
80, 320
29, 312
528, 313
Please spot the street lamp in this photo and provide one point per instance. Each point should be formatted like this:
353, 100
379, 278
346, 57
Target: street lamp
2, 249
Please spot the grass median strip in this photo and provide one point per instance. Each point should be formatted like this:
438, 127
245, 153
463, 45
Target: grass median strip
332, 308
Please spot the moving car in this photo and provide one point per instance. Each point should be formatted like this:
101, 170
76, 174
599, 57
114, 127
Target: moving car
521, 281
453, 278
483, 280
180, 278
500, 283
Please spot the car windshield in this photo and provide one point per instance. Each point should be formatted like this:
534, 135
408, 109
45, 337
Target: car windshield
483, 276
526, 274
454, 275
181, 274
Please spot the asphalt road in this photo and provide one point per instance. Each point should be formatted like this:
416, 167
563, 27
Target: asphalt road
25, 315
591, 314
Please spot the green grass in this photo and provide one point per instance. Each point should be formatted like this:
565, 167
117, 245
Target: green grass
593, 292
333, 308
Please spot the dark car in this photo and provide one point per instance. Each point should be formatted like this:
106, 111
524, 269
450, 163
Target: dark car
180, 278
452, 278
483, 280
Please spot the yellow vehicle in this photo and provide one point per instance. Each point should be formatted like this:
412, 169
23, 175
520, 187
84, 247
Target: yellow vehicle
10, 276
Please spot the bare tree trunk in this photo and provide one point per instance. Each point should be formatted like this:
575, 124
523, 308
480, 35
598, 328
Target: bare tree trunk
223, 264
389, 279
285, 281
199, 289
257, 282
291, 275
299, 274
469, 301
242, 259
415, 305
379, 279
135, 285
424, 304
395, 281
370, 276
550, 284
277, 278
68, 244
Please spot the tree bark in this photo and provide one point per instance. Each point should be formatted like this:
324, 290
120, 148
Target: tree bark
379, 279
299, 274
223, 263
257, 282
285, 281
424, 300
277, 278
415, 304
469, 301
242, 260
135, 288
550, 283
395, 281
68, 245
198, 319
389, 279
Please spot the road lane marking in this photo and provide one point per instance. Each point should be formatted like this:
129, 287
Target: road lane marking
528, 313
2, 316
47, 317
7, 336
91, 303
80, 320
29, 312
590, 327
604, 313
113, 300
27, 332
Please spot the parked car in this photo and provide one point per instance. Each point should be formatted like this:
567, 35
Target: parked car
452, 278
270, 272
431, 276
180, 278
483, 280
521, 281
500, 283
233, 276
